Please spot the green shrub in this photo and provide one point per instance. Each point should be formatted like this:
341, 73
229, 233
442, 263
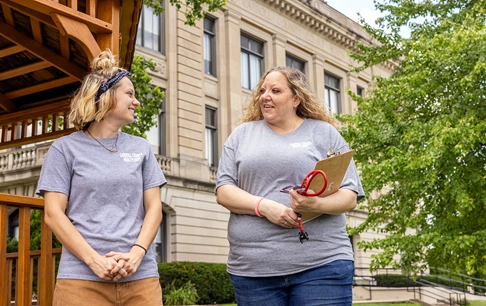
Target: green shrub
210, 280
394, 280
186, 295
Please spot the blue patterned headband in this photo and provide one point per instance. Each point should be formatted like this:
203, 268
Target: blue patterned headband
111, 81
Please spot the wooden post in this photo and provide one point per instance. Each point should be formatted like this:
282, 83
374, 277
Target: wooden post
46, 266
3, 256
23, 283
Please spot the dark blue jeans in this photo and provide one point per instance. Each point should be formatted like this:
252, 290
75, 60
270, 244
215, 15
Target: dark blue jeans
329, 284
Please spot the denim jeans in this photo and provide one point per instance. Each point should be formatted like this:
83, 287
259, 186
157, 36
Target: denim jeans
329, 284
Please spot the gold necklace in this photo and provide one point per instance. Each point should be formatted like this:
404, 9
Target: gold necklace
112, 150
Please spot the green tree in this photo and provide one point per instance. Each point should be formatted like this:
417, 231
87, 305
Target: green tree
420, 136
193, 9
150, 97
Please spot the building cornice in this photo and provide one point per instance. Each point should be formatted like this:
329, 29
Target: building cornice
318, 16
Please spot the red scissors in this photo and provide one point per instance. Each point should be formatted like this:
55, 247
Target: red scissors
304, 187
303, 190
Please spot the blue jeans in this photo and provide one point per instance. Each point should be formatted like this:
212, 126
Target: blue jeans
329, 284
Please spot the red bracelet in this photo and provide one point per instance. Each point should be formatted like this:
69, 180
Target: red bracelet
257, 211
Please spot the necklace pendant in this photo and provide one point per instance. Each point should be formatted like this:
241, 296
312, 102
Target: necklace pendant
113, 151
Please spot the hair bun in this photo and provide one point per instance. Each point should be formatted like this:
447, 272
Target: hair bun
104, 61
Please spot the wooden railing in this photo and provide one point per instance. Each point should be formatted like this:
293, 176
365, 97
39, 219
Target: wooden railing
35, 125
24, 258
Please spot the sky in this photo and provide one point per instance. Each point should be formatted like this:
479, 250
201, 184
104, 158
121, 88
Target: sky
350, 8
366, 8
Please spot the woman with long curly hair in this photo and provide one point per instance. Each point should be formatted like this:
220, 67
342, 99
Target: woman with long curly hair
285, 131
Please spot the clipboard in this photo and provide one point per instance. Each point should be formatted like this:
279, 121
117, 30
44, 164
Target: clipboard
335, 168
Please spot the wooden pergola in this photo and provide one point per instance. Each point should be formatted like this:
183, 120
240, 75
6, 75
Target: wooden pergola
46, 47
45, 50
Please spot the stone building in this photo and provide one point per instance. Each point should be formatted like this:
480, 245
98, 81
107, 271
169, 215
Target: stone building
207, 72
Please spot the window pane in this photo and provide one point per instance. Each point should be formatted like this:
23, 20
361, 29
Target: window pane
207, 54
245, 73
255, 71
244, 41
211, 136
295, 63
209, 48
334, 100
208, 25
149, 29
251, 62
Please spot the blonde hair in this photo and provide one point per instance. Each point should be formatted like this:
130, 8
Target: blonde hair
84, 106
309, 106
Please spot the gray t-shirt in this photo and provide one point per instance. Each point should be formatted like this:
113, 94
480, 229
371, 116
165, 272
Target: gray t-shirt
105, 195
262, 162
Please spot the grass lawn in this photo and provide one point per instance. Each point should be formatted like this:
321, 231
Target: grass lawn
385, 304
472, 303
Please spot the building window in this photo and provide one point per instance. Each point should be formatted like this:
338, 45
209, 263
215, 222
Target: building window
149, 30
292, 62
13, 224
333, 92
161, 241
162, 129
211, 136
251, 62
360, 91
209, 47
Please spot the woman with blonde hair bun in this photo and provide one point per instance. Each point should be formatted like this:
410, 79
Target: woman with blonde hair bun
112, 182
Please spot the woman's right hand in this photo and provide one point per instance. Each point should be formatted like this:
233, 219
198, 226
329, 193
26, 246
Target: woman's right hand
278, 213
102, 266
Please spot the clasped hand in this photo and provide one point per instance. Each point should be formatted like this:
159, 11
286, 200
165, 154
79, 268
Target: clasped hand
115, 265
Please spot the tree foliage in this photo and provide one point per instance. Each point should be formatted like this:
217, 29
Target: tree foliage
150, 97
193, 9
420, 136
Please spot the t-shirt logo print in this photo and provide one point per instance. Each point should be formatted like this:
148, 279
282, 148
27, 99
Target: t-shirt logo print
132, 157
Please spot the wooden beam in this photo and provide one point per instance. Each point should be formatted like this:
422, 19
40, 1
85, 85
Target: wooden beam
36, 30
24, 70
80, 33
46, 19
40, 87
7, 104
39, 50
48, 6
64, 46
109, 11
11, 50
7, 13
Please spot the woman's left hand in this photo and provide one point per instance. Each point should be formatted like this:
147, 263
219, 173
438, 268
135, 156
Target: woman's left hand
337, 203
300, 203
128, 263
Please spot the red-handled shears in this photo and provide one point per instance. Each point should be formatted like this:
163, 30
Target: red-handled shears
304, 187
303, 190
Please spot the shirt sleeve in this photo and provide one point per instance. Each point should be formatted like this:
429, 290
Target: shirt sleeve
227, 168
55, 173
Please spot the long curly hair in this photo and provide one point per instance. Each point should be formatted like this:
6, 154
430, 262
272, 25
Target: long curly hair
309, 106
84, 107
